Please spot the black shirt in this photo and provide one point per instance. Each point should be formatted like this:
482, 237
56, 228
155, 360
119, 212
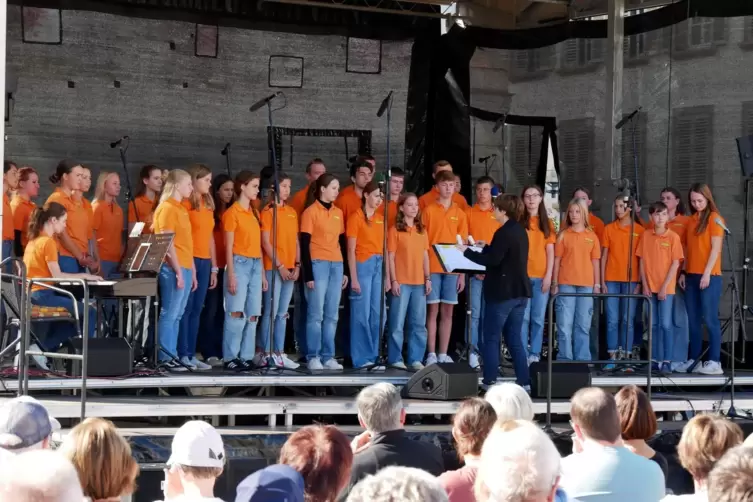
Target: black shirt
506, 262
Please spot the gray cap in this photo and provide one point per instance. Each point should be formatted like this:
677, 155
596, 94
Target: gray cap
24, 422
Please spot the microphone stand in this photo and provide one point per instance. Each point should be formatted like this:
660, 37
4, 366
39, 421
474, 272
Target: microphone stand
226, 153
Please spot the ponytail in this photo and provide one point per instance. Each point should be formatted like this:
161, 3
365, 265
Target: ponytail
41, 215
64, 167
315, 188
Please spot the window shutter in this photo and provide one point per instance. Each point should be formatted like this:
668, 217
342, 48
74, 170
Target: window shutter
596, 53
748, 29
680, 36
747, 118
570, 53
628, 160
522, 165
720, 30
576, 142
692, 147
546, 58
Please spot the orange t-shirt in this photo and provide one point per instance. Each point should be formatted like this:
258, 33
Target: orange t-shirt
699, 245
537, 243
38, 253
442, 227
202, 228
172, 217
8, 228
349, 202
246, 229
391, 212
145, 207
658, 252
617, 239
287, 234
325, 226
678, 224
298, 200
597, 225
433, 196
22, 209
369, 236
577, 251
90, 212
481, 223
78, 225
108, 223
409, 248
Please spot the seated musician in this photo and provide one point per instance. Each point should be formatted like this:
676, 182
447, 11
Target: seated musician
41, 260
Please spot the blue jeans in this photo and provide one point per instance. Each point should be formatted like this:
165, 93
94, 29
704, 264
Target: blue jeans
242, 310
620, 315
7, 252
60, 332
189, 324
680, 327
365, 311
172, 305
444, 289
504, 318
323, 309
283, 293
70, 265
703, 307
300, 312
476, 295
574, 323
212, 320
662, 329
533, 319
407, 309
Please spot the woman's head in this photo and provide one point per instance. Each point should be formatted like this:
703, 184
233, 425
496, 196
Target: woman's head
178, 186
533, 200
285, 186
52, 215
327, 188
621, 208
223, 189
701, 201
372, 195
68, 174
407, 207
102, 458
471, 424
201, 179
28, 182
108, 185
508, 207
510, 401
673, 200
151, 179
637, 418
577, 213
86, 180
705, 438
247, 185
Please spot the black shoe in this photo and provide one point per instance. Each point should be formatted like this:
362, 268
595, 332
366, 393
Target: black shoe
234, 365
247, 365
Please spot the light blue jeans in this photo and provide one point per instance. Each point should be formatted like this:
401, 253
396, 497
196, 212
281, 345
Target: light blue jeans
476, 294
574, 323
172, 305
242, 310
189, 325
282, 294
365, 312
532, 332
680, 327
408, 310
662, 332
300, 311
323, 309
620, 315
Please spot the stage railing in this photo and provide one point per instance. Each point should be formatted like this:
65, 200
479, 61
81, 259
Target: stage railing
550, 344
17, 277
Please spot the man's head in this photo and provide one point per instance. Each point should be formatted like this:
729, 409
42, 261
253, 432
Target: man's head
380, 408
25, 425
397, 182
445, 182
276, 482
398, 484
439, 166
40, 476
705, 439
659, 214
594, 415
731, 479
314, 169
484, 187
197, 458
361, 173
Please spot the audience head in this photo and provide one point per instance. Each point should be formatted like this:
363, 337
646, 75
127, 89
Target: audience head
731, 479
276, 482
519, 463
471, 424
380, 408
398, 484
40, 476
323, 456
637, 418
102, 458
197, 458
594, 415
25, 425
704, 440
510, 401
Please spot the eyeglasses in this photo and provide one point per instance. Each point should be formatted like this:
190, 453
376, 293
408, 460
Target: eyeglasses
532, 196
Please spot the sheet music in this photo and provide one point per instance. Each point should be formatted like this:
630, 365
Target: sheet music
452, 259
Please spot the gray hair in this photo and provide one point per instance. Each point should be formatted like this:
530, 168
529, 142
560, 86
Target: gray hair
731, 479
510, 402
39, 476
398, 484
379, 407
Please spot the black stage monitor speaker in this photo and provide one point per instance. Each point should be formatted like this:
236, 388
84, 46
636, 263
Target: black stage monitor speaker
567, 379
108, 357
745, 149
443, 382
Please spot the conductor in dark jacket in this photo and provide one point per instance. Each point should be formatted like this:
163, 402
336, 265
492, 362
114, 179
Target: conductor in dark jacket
506, 289
385, 443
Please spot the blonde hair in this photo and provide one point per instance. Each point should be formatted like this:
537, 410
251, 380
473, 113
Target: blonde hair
705, 438
197, 172
99, 189
102, 457
566, 223
173, 178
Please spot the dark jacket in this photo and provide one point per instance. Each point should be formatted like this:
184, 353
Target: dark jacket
394, 448
506, 262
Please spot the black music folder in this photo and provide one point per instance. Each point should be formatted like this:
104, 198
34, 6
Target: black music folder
145, 253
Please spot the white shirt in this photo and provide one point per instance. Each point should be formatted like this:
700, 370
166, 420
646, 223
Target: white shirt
701, 496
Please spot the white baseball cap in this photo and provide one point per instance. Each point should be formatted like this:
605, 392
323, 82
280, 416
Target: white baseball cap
197, 444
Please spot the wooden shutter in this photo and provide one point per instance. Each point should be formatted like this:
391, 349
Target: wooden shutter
570, 53
628, 160
524, 156
692, 146
576, 146
747, 118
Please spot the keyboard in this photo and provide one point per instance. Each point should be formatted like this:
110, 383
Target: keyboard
119, 288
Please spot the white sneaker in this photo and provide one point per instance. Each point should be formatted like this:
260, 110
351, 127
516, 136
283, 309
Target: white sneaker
683, 367
186, 361
399, 365
417, 366
533, 359
431, 359
199, 365
214, 361
40, 361
315, 364
282, 361
333, 365
711, 368
473, 361
444, 358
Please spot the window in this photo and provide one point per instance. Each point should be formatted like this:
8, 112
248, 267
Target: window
576, 148
639, 125
582, 53
747, 118
692, 146
699, 33
531, 63
525, 150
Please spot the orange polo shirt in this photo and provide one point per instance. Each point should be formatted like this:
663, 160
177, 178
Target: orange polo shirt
678, 224
577, 251
78, 225
172, 217
481, 223
537, 243
409, 248
369, 235
145, 207
433, 196
22, 209
658, 252
698, 246
202, 228
298, 200
108, 223
287, 234
617, 239
391, 212
38, 253
597, 225
246, 229
325, 226
349, 202
90, 211
443, 226
8, 228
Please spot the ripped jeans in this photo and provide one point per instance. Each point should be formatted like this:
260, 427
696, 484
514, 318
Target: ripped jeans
282, 294
242, 310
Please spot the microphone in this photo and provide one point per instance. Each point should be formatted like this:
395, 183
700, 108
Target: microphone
264, 101
628, 118
500, 122
721, 224
484, 159
225, 150
118, 142
385, 104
